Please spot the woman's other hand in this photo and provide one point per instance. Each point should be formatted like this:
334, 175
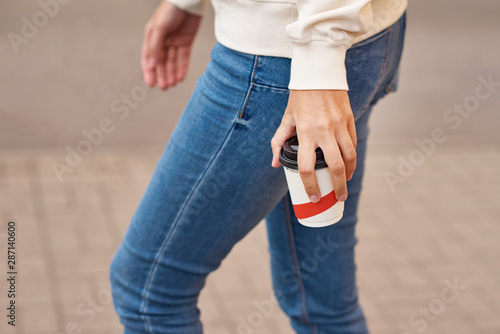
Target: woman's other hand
166, 49
321, 118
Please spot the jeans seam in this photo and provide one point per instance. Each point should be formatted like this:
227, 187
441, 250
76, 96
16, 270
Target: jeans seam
163, 247
395, 47
252, 83
279, 89
295, 259
379, 80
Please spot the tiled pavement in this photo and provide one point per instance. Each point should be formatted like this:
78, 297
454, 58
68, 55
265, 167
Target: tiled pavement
440, 225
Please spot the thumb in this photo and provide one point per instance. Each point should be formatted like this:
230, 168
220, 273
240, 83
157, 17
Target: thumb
285, 131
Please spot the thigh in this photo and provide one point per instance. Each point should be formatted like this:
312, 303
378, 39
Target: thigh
212, 185
214, 180
313, 269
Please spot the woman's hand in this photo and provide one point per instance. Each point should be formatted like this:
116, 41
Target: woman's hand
166, 48
321, 118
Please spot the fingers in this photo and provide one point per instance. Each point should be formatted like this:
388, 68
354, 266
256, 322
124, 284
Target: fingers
161, 73
348, 152
155, 47
322, 118
307, 160
168, 37
183, 55
348, 149
335, 162
351, 128
340, 156
171, 66
285, 131
156, 55
153, 55
147, 64
166, 71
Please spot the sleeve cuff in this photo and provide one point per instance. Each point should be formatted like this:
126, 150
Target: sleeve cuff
318, 65
195, 7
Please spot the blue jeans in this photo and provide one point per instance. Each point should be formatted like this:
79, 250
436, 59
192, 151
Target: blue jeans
214, 183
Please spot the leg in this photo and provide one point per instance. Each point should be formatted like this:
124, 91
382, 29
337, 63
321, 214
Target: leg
313, 269
212, 185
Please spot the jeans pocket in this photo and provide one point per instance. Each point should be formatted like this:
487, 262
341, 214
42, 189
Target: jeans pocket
366, 66
371, 39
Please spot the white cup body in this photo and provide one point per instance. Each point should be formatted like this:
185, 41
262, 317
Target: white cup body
326, 212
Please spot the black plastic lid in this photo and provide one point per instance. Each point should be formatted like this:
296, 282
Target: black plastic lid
288, 155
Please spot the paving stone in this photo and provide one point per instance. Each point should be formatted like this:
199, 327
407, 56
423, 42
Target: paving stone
409, 244
38, 319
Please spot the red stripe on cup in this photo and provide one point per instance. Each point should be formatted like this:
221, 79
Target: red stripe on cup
310, 209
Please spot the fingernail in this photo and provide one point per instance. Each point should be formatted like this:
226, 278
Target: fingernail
343, 198
314, 199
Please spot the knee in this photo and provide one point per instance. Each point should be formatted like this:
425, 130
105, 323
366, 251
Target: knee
341, 319
155, 305
120, 274
126, 287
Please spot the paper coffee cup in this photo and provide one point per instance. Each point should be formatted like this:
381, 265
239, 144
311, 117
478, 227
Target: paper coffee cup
328, 210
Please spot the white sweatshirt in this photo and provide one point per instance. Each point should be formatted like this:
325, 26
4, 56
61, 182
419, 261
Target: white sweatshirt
315, 34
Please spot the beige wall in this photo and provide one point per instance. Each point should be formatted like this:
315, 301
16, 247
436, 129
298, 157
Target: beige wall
65, 78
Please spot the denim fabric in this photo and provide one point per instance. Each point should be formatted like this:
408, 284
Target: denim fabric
214, 183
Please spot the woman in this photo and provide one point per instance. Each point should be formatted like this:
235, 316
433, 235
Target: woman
280, 67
